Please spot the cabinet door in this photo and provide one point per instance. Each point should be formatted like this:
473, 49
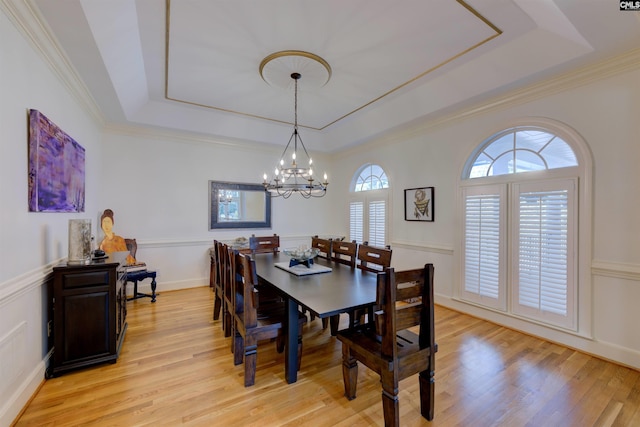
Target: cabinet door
86, 326
84, 316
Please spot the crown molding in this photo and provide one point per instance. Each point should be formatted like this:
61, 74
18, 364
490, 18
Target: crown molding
185, 137
27, 19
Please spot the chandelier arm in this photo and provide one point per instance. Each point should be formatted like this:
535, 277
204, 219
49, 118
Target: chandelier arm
303, 146
287, 147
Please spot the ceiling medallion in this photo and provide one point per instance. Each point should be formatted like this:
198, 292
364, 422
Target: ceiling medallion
277, 68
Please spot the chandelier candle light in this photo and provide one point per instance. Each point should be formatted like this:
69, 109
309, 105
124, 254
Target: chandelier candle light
295, 178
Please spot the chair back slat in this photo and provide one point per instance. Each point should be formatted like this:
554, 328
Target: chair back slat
374, 259
264, 244
324, 245
344, 252
408, 316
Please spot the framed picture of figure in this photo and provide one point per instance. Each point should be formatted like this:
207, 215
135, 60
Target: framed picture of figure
418, 204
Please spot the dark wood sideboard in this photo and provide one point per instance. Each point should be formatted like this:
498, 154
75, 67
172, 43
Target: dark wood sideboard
89, 315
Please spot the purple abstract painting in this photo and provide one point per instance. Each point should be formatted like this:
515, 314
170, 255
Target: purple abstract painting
56, 168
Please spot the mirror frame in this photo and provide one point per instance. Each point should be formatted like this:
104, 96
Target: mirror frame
214, 224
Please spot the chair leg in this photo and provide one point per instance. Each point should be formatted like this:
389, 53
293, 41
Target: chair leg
334, 321
427, 394
234, 331
300, 348
349, 372
226, 323
250, 358
280, 341
217, 306
390, 406
238, 349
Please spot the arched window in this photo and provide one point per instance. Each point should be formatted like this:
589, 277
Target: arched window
519, 150
370, 177
368, 206
520, 212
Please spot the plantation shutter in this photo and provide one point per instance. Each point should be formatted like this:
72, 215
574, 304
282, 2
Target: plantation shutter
544, 251
377, 223
356, 221
484, 246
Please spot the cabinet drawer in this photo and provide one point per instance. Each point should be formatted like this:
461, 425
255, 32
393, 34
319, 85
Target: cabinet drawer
78, 280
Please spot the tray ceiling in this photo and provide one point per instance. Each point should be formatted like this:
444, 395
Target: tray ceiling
194, 65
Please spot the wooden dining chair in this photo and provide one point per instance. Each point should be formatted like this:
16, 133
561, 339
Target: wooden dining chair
373, 258
324, 245
214, 280
386, 346
344, 252
225, 279
264, 244
254, 323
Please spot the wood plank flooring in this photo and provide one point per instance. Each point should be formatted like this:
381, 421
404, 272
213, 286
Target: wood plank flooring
176, 368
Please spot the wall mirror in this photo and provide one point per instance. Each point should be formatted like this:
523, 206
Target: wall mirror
236, 205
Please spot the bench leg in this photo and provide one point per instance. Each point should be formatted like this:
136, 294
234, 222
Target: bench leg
153, 289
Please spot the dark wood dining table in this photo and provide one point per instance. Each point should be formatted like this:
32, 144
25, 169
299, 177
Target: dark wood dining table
341, 290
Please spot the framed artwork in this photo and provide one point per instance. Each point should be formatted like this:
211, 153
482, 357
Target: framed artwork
56, 168
418, 204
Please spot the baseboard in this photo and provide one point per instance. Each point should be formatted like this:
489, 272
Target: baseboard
604, 350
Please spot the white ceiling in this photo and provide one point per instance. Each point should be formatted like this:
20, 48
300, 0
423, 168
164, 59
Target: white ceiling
193, 65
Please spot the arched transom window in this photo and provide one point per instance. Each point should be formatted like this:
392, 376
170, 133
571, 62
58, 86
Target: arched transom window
371, 177
521, 150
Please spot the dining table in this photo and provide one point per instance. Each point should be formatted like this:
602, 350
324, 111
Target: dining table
327, 288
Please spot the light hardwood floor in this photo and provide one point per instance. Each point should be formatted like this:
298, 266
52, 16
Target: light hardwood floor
176, 368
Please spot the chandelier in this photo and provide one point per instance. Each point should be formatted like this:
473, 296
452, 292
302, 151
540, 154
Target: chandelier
294, 177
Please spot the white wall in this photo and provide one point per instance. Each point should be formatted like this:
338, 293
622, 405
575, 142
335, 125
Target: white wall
30, 243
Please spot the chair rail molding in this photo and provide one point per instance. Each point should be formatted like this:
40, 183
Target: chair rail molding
619, 270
